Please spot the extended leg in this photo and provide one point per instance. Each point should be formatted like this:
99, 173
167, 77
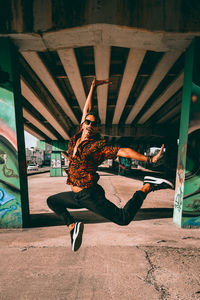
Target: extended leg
59, 204
94, 199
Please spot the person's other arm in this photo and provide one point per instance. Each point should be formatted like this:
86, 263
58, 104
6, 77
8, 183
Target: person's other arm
130, 153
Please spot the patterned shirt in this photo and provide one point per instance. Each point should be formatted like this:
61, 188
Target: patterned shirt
90, 154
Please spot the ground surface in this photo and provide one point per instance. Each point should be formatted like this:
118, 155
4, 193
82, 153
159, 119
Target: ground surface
150, 259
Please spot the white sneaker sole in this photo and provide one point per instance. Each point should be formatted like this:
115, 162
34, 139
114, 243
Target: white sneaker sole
149, 179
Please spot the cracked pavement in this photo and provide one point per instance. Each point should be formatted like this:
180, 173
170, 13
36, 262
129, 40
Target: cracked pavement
150, 259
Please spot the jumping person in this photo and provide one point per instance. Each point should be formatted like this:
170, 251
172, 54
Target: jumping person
86, 151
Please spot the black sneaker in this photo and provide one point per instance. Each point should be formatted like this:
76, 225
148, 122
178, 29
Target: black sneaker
76, 235
158, 183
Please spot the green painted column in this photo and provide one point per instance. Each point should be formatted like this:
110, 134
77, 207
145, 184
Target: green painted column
187, 192
14, 209
56, 166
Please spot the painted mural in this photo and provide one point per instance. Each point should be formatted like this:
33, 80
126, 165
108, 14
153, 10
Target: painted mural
180, 176
10, 200
187, 193
191, 197
56, 165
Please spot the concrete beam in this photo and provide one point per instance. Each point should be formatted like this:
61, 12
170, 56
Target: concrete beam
35, 134
113, 35
175, 120
26, 41
102, 68
31, 97
38, 124
68, 59
166, 95
159, 73
133, 64
42, 72
171, 16
130, 131
170, 114
105, 34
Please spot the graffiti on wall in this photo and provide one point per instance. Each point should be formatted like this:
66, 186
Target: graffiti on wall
187, 194
191, 197
10, 200
55, 163
180, 179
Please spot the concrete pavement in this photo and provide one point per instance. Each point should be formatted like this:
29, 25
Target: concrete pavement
151, 258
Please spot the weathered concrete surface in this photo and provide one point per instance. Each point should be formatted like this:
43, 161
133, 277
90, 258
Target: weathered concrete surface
39, 16
153, 25
150, 259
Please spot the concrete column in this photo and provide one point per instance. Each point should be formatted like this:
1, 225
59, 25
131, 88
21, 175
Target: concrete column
187, 193
56, 166
14, 208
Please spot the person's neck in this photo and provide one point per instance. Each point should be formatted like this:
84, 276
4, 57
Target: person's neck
84, 137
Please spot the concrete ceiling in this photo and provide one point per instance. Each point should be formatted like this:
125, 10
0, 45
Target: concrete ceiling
57, 66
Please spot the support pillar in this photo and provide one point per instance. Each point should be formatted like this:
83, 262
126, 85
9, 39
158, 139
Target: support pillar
14, 208
56, 168
56, 165
187, 193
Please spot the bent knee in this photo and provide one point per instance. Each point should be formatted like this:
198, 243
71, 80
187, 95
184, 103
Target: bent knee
50, 201
123, 223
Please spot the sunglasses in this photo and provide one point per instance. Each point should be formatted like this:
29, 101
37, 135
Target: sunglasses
93, 123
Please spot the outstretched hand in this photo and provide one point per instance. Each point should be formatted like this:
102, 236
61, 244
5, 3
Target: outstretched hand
96, 82
158, 155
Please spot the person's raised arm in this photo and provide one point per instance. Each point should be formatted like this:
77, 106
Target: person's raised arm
130, 153
88, 104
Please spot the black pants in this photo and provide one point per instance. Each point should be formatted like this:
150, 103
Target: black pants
94, 199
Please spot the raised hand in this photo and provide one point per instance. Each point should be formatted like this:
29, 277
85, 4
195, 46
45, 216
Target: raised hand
158, 155
100, 82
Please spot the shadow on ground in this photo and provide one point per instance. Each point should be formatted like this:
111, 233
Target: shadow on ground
137, 174
88, 217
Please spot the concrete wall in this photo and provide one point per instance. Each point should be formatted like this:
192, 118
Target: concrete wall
46, 15
13, 183
187, 193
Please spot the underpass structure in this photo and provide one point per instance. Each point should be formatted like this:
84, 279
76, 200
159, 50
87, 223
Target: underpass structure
140, 47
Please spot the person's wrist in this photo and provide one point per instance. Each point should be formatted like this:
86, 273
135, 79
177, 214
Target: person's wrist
149, 159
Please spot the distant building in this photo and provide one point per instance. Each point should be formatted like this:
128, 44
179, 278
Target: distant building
34, 156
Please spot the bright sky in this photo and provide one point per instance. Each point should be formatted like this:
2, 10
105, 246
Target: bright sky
30, 140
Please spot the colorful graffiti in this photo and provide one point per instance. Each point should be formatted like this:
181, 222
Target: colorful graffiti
10, 203
13, 180
191, 197
189, 222
56, 168
180, 179
187, 194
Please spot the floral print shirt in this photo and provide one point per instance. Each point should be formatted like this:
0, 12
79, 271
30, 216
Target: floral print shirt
83, 165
